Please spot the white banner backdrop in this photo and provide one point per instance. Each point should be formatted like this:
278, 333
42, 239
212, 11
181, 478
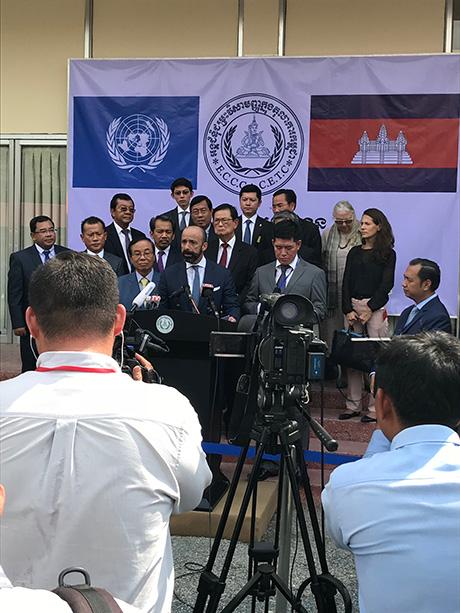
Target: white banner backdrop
378, 131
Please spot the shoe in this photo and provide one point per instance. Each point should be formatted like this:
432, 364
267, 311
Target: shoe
349, 415
367, 419
267, 472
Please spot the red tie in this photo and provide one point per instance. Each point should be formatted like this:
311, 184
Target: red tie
223, 257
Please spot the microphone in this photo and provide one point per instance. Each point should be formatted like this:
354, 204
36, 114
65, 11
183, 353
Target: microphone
188, 293
138, 301
207, 291
153, 302
177, 293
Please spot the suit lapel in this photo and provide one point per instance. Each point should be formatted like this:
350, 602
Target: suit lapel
296, 275
35, 258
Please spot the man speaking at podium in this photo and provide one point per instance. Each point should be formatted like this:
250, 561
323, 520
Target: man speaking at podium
198, 285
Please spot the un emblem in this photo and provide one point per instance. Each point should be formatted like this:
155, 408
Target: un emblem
137, 141
253, 138
165, 324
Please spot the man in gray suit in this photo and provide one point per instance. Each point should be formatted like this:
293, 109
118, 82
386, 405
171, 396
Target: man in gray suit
289, 274
94, 234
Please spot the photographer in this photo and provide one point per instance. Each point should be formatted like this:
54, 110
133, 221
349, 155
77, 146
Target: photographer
94, 462
398, 511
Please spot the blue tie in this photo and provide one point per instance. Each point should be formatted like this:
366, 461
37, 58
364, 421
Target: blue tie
247, 232
282, 280
196, 289
412, 314
182, 222
46, 253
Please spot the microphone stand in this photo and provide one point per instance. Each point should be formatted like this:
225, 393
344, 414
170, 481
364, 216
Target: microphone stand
188, 293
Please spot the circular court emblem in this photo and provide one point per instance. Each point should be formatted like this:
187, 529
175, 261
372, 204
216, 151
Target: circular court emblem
253, 138
165, 324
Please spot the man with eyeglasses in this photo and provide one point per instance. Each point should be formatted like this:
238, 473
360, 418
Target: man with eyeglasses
201, 212
119, 232
181, 193
231, 252
142, 254
22, 265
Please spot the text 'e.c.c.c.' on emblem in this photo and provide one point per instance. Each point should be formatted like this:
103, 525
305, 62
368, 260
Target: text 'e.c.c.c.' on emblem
253, 138
137, 141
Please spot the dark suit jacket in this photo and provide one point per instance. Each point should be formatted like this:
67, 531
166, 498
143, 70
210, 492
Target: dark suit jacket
243, 265
174, 257
128, 287
22, 265
306, 280
113, 245
172, 213
175, 277
115, 262
310, 250
433, 316
262, 235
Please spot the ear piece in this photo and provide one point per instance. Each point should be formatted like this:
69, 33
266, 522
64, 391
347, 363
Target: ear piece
31, 338
122, 345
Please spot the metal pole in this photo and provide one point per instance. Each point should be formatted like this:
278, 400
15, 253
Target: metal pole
240, 32
88, 32
282, 27
284, 560
448, 25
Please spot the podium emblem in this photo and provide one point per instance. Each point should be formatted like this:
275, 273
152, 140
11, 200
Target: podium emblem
165, 324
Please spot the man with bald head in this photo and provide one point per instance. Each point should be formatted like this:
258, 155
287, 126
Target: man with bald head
181, 285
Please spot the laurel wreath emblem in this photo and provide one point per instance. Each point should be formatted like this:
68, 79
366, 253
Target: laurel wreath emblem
155, 160
269, 165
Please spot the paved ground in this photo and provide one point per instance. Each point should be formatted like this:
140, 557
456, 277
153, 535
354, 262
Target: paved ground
192, 552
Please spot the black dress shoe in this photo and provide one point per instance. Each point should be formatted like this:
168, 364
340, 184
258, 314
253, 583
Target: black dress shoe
272, 469
367, 419
349, 415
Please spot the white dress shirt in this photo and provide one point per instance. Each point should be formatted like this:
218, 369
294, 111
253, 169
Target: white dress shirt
180, 210
41, 253
191, 271
100, 253
399, 513
289, 271
166, 254
94, 464
24, 600
121, 236
231, 244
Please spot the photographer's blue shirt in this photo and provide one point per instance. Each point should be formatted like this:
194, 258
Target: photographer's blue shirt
398, 512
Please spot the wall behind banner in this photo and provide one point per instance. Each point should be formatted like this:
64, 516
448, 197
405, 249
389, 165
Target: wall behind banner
37, 38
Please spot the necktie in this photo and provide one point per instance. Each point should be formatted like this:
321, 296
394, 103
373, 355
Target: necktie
46, 253
143, 282
182, 224
412, 314
160, 261
125, 233
223, 257
196, 289
247, 232
282, 280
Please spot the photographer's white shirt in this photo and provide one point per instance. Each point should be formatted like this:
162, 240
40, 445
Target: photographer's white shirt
94, 464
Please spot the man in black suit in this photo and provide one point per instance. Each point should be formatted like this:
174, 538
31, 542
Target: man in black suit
182, 193
181, 285
286, 200
238, 257
94, 236
22, 265
201, 212
120, 233
252, 229
162, 232
420, 282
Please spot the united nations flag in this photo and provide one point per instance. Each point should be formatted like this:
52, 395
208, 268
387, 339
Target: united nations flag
128, 142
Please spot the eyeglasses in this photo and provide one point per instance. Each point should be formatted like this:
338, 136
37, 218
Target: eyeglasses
225, 220
140, 254
125, 209
343, 222
45, 231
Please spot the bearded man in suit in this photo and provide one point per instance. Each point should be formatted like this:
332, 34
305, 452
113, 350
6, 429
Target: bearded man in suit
22, 265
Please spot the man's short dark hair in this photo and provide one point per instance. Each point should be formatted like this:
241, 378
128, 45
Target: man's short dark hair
429, 270
290, 194
91, 221
181, 182
251, 188
164, 218
38, 219
138, 240
421, 375
287, 230
197, 199
227, 207
74, 294
116, 197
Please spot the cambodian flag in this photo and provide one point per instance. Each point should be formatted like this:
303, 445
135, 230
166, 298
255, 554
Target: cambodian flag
384, 143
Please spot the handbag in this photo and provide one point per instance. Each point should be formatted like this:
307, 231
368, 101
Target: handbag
349, 354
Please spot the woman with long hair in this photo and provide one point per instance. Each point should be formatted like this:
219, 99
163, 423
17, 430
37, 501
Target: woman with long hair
367, 281
337, 242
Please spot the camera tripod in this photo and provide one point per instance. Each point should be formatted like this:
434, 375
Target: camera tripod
263, 580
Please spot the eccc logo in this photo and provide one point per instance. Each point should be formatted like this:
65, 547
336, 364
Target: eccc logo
253, 138
137, 141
